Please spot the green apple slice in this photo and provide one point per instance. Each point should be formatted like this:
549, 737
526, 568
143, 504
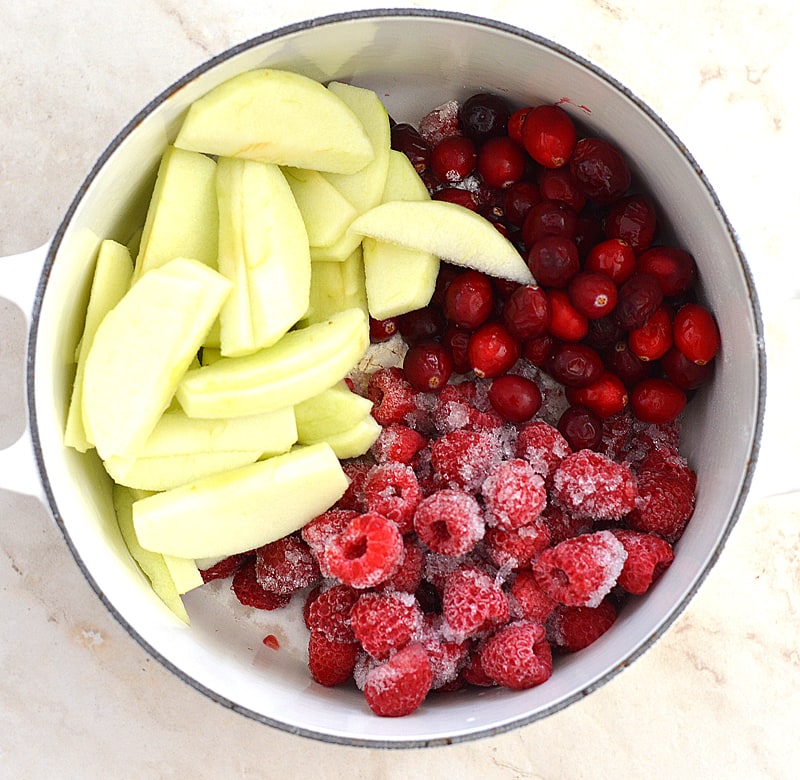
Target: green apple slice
337, 286
402, 180
184, 572
356, 440
111, 280
277, 117
181, 219
141, 350
332, 411
242, 509
303, 363
449, 231
338, 251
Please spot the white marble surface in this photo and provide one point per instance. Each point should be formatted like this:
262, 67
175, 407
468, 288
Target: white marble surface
719, 695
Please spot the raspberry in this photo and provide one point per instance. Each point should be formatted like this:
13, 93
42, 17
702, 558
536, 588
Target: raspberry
446, 658
617, 433
582, 570
517, 656
286, 565
391, 394
513, 494
225, 568
330, 662
398, 686
589, 484
392, 490
529, 599
543, 446
441, 122
248, 591
472, 603
318, 533
648, 557
573, 628
408, 576
366, 553
473, 671
562, 525
665, 459
329, 613
449, 522
517, 548
385, 622
398, 444
356, 471
664, 507
462, 459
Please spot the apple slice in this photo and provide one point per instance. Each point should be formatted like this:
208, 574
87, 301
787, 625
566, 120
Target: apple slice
111, 280
402, 180
356, 440
277, 117
449, 231
242, 509
337, 286
141, 350
263, 250
184, 572
303, 363
332, 411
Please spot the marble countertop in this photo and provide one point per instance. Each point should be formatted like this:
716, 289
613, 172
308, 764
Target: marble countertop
718, 695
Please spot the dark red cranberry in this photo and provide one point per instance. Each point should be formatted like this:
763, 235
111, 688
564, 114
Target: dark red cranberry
600, 169
515, 123
491, 205
549, 218
447, 272
566, 323
515, 398
588, 232
581, 427
621, 361
604, 333
483, 116
695, 333
453, 158
606, 396
637, 299
682, 372
593, 294
504, 288
428, 366
633, 219
426, 324
382, 330
549, 136
674, 268
612, 257
456, 340
501, 162
657, 401
553, 261
492, 350
654, 338
406, 139
560, 184
469, 299
537, 350
526, 313
457, 195
575, 365
518, 200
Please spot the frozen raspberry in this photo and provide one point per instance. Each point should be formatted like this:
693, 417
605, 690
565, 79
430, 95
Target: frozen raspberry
330, 662
617, 433
473, 671
446, 658
573, 628
449, 522
543, 446
664, 459
356, 470
286, 565
589, 484
441, 122
529, 599
462, 459
648, 557
225, 568
518, 656
562, 525
367, 552
318, 533
391, 394
392, 490
398, 686
409, 575
329, 613
664, 507
385, 622
398, 444
472, 603
582, 570
517, 548
248, 591
310, 599
513, 495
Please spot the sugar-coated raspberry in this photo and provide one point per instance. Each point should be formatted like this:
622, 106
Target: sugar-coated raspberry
664, 459
392, 490
397, 443
356, 470
449, 522
589, 484
330, 662
439, 123
286, 565
409, 575
543, 446
517, 656
367, 552
225, 568
391, 394
529, 600
317, 533
473, 672
582, 570
648, 557
513, 494
617, 433
462, 459
472, 603
447, 658
385, 622
249, 592
664, 507
517, 548
572, 628
398, 686
329, 613
563, 525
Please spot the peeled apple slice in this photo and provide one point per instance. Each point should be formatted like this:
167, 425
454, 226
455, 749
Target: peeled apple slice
332, 411
242, 509
356, 440
447, 230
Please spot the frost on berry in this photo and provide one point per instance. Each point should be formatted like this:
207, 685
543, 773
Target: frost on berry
397, 443
572, 628
446, 657
329, 613
528, 600
391, 394
513, 495
398, 686
330, 662
249, 592
224, 568
543, 446
440, 123
517, 548
462, 459
409, 574
319, 532
449, 522
664, 507
472, 603
385, 622
392, 490
286, 565
518, 656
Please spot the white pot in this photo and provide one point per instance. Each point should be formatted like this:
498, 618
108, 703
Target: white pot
415, 60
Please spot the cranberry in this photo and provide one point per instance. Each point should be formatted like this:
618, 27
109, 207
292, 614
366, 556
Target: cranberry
515, 398
549, 218
695, 333
674, 268
638, 298
423, 324
427, 366
603, 333
492, 350
593, 294
600, 169
622, 362
526, 313
549, 136
560, 184
453, 158
469, 299
447, 272
382, 330
406, 139
581, 427
515, 123
575, 365
457, 195
633, 219
657, 401
605, 397
504, 288
588, 232
566, 323
537, 350
501, 162
483, 116
518, 200
654, 338
456, 340
614, 257
554, 260
682, 372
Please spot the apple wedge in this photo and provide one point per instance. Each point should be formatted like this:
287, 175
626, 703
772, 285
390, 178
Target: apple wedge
449, 231
354, 441
332, 411
279, 117
184, 572
337, 286
402, 180
242, 509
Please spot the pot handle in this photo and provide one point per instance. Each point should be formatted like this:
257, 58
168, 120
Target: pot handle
19, 277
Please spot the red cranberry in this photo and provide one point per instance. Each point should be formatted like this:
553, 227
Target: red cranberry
695, 333
406, 139
560, 184
456, 340
526, 313
515, 123
424, 324
492, 350
682, 372
447, 272
427, 366
501, 162
537, 350
613, 257
633, 219
657, 401
621, 361
553, 261
457, 195
453, 158
518, 200
504, 288
600, 169
581, 427
382, 330
566, 323
674, 268
549, 136
575, 365
588, 232
483, 116
603, 333
515, 398
637, 299
549, 218
654, 338
469, 299
605, 397
593, 294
